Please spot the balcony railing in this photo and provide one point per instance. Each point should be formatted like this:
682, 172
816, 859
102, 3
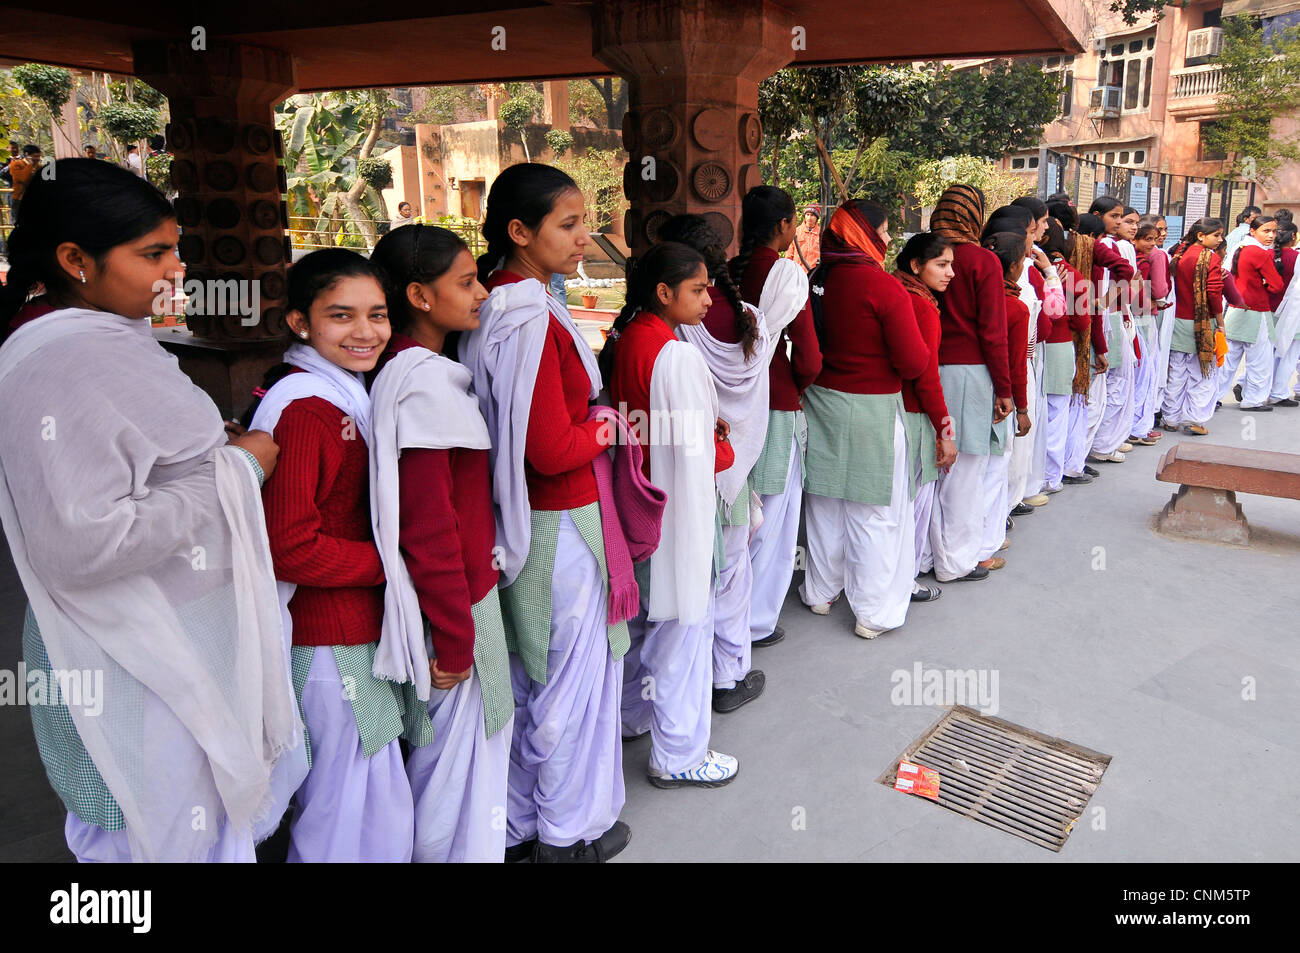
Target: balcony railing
1198, 81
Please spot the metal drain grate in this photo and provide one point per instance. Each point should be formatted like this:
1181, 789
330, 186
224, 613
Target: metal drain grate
1006, 776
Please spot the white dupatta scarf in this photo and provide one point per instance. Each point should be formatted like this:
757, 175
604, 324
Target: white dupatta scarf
419, 400
742, 389
140, 541
1288, 316
344, 389
684, 412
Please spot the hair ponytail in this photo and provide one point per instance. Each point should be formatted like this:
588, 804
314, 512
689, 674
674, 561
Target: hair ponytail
762, 210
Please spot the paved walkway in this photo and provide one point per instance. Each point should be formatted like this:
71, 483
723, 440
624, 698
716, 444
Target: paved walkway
1143, 660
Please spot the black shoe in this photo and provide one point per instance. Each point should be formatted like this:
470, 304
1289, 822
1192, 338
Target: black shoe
976, 574
577, 853
1021, 509
1236, 392
1011, 524
1286, 402
1218, 404
521, 852
729, 699
927, 594
1261, 409
611, 843
1091, 471
1076, 480
778, 634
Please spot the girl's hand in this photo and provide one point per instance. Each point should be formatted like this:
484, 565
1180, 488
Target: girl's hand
723, 429
445, 681
1101, 364
1041, 261
945, 452
260, 444
1022, 423
234, 428
1002, 409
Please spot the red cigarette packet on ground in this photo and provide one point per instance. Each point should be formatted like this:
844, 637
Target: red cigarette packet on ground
915, 779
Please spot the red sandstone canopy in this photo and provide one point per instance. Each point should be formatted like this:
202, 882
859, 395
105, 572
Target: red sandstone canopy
342, 43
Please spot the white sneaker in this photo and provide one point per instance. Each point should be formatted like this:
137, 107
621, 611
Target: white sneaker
822, 608
1053, 489
1125, 447
714, 771
862, 632
1115, 457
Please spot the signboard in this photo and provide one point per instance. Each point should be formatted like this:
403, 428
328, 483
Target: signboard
1053, 174
1198, 200
1239, 199
1138, 192
1175, 225
1154, 204
1087, 186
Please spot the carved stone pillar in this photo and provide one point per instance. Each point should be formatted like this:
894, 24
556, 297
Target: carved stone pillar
692, 128
230, 206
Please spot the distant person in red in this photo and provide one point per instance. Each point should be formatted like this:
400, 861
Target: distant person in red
806, 247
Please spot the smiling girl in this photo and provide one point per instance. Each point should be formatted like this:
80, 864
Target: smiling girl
535, 377
1250, 327
432, 514
667, 382
136, 528
356, 802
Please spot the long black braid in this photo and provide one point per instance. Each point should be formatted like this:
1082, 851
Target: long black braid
695, 231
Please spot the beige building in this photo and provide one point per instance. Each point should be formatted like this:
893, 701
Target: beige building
1141, 97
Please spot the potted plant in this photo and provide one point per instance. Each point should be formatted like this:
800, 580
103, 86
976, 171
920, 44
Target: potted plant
589, 300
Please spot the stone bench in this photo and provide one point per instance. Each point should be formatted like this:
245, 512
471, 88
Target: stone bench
1205, 506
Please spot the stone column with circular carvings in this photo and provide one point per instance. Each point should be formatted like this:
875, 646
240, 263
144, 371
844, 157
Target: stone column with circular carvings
692, 130
230, 185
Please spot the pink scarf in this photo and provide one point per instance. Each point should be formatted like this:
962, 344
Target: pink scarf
631, 513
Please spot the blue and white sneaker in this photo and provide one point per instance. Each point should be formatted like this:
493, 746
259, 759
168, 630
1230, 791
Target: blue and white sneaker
714, 771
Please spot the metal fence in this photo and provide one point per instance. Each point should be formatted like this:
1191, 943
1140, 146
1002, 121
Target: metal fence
1181, 199
312, 232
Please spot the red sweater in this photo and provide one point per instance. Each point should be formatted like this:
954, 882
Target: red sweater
1256, 276
446, 532
1076, 316
561, 442
317, 505
1184, 278
1018, 348
871, 338
720, 320
925, 393
1287, 272
790, 374
629, 385
973, 315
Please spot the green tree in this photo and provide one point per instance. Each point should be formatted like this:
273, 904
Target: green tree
597, 174
987, 112
1134, 10
519, 110
560, 142
328, 138
1261, 82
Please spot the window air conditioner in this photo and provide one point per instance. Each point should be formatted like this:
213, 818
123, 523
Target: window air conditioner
1103, 102
1204, 43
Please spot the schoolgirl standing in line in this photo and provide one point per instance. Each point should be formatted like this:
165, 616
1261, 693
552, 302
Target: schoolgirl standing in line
976, 384
1068, 338
667, 382
1193, 378
1089, 259
1250, 328
355, 804
736, 342
535, 377
1162, 296
767, 226
1116, 417
924, 266
1288, 340
432, 514
1146, 385
861, 531
136, 528
1009, 247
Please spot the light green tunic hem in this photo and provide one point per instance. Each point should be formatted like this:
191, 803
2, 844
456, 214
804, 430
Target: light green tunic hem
1058, 369
851, 445
1243, 325
968, 391
921, 451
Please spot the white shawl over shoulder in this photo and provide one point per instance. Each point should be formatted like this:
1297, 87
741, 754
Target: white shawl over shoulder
684, 412
419, 400
140, 541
